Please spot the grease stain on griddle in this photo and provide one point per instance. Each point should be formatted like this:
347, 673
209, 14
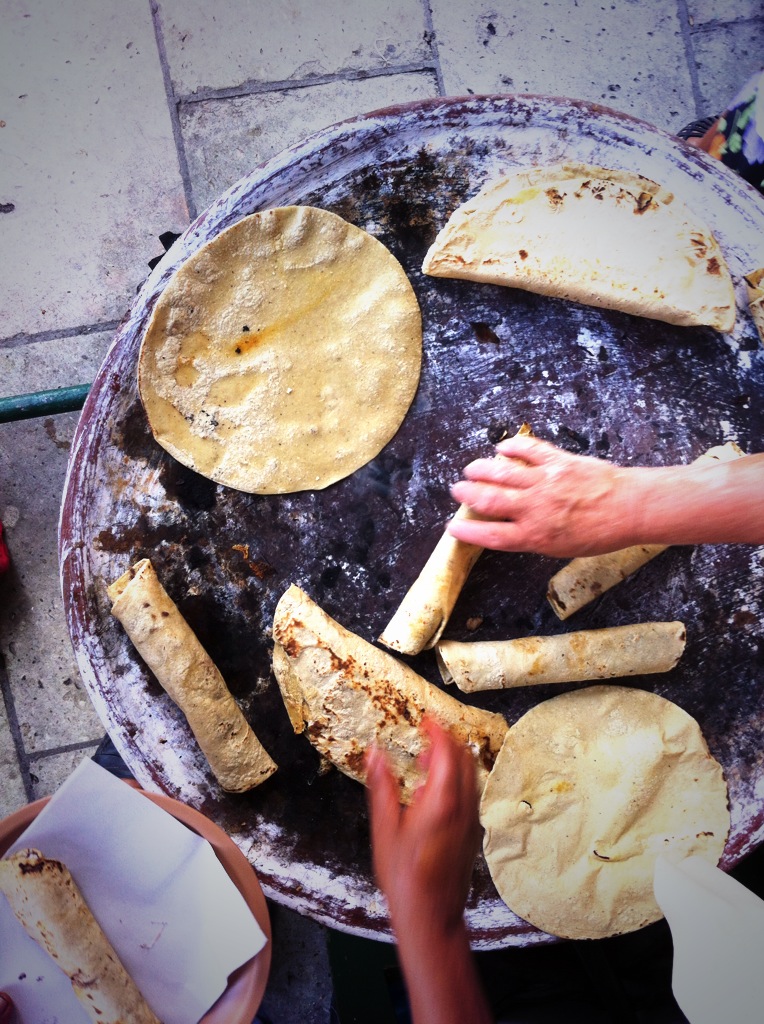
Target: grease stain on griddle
191, 490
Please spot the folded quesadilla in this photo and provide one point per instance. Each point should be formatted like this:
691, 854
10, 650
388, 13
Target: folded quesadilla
594, 235
642, 649
46, 900
346, 694
172, 651
588, 789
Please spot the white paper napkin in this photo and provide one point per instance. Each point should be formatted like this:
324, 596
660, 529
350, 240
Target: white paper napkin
164, 900
717, 927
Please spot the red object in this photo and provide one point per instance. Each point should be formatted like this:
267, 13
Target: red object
6, 1007
5, 561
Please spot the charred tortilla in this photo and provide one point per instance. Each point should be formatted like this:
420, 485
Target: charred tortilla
595, 235
346, 694
284, 354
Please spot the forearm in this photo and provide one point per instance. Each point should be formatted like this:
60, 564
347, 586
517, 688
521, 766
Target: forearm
441, 977
703, 503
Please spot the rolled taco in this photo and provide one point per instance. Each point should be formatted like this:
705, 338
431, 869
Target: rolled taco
641, 649
172, 651
422, 615
46, 900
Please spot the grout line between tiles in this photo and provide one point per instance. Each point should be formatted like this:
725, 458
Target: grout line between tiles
21, 339
253, 87
15, 730
173, 104
431, 39
683, 15
65, 748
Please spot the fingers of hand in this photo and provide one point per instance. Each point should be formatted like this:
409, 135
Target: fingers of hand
488, 534
499, 470
487, 499
530, 449
383, 798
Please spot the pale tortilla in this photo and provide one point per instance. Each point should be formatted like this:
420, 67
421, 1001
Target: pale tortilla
172, 651
284, 354
594, 235
426, 607
421, 617
588, 789
47, 902
346, 694
641, 649
582, 580
754, 283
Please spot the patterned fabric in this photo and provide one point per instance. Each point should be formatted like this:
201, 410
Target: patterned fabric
739, 137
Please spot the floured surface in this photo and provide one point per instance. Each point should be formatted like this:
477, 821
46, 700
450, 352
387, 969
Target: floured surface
594, 381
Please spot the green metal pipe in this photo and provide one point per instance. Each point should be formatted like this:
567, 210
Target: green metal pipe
43, 403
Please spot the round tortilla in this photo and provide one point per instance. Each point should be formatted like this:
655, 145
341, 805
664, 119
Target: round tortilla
588, 788
284, 354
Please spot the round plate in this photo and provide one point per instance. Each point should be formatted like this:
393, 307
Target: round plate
595, 381
246, 986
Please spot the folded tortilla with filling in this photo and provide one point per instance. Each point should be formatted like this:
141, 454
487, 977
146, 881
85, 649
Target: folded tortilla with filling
346, 694
422, 615
641, 649
46, 900
584, 579
590, 234
172, 651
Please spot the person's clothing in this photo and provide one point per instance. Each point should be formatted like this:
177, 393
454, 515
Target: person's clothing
739, 137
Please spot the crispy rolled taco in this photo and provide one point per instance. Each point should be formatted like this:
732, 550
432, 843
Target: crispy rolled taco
641, 649
46, 900
172, 651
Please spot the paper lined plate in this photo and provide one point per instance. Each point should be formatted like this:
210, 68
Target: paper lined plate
246, 986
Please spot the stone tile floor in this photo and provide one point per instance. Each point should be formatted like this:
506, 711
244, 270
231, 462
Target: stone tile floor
122, 119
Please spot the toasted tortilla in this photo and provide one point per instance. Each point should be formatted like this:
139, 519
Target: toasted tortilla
346, 694
594, 235
588, 789
641, 649
582, 580
183, 668
46, 900
754, 283
421, 617
284, 354
426, 607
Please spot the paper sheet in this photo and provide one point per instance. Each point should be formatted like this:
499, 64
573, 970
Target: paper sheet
164, 900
